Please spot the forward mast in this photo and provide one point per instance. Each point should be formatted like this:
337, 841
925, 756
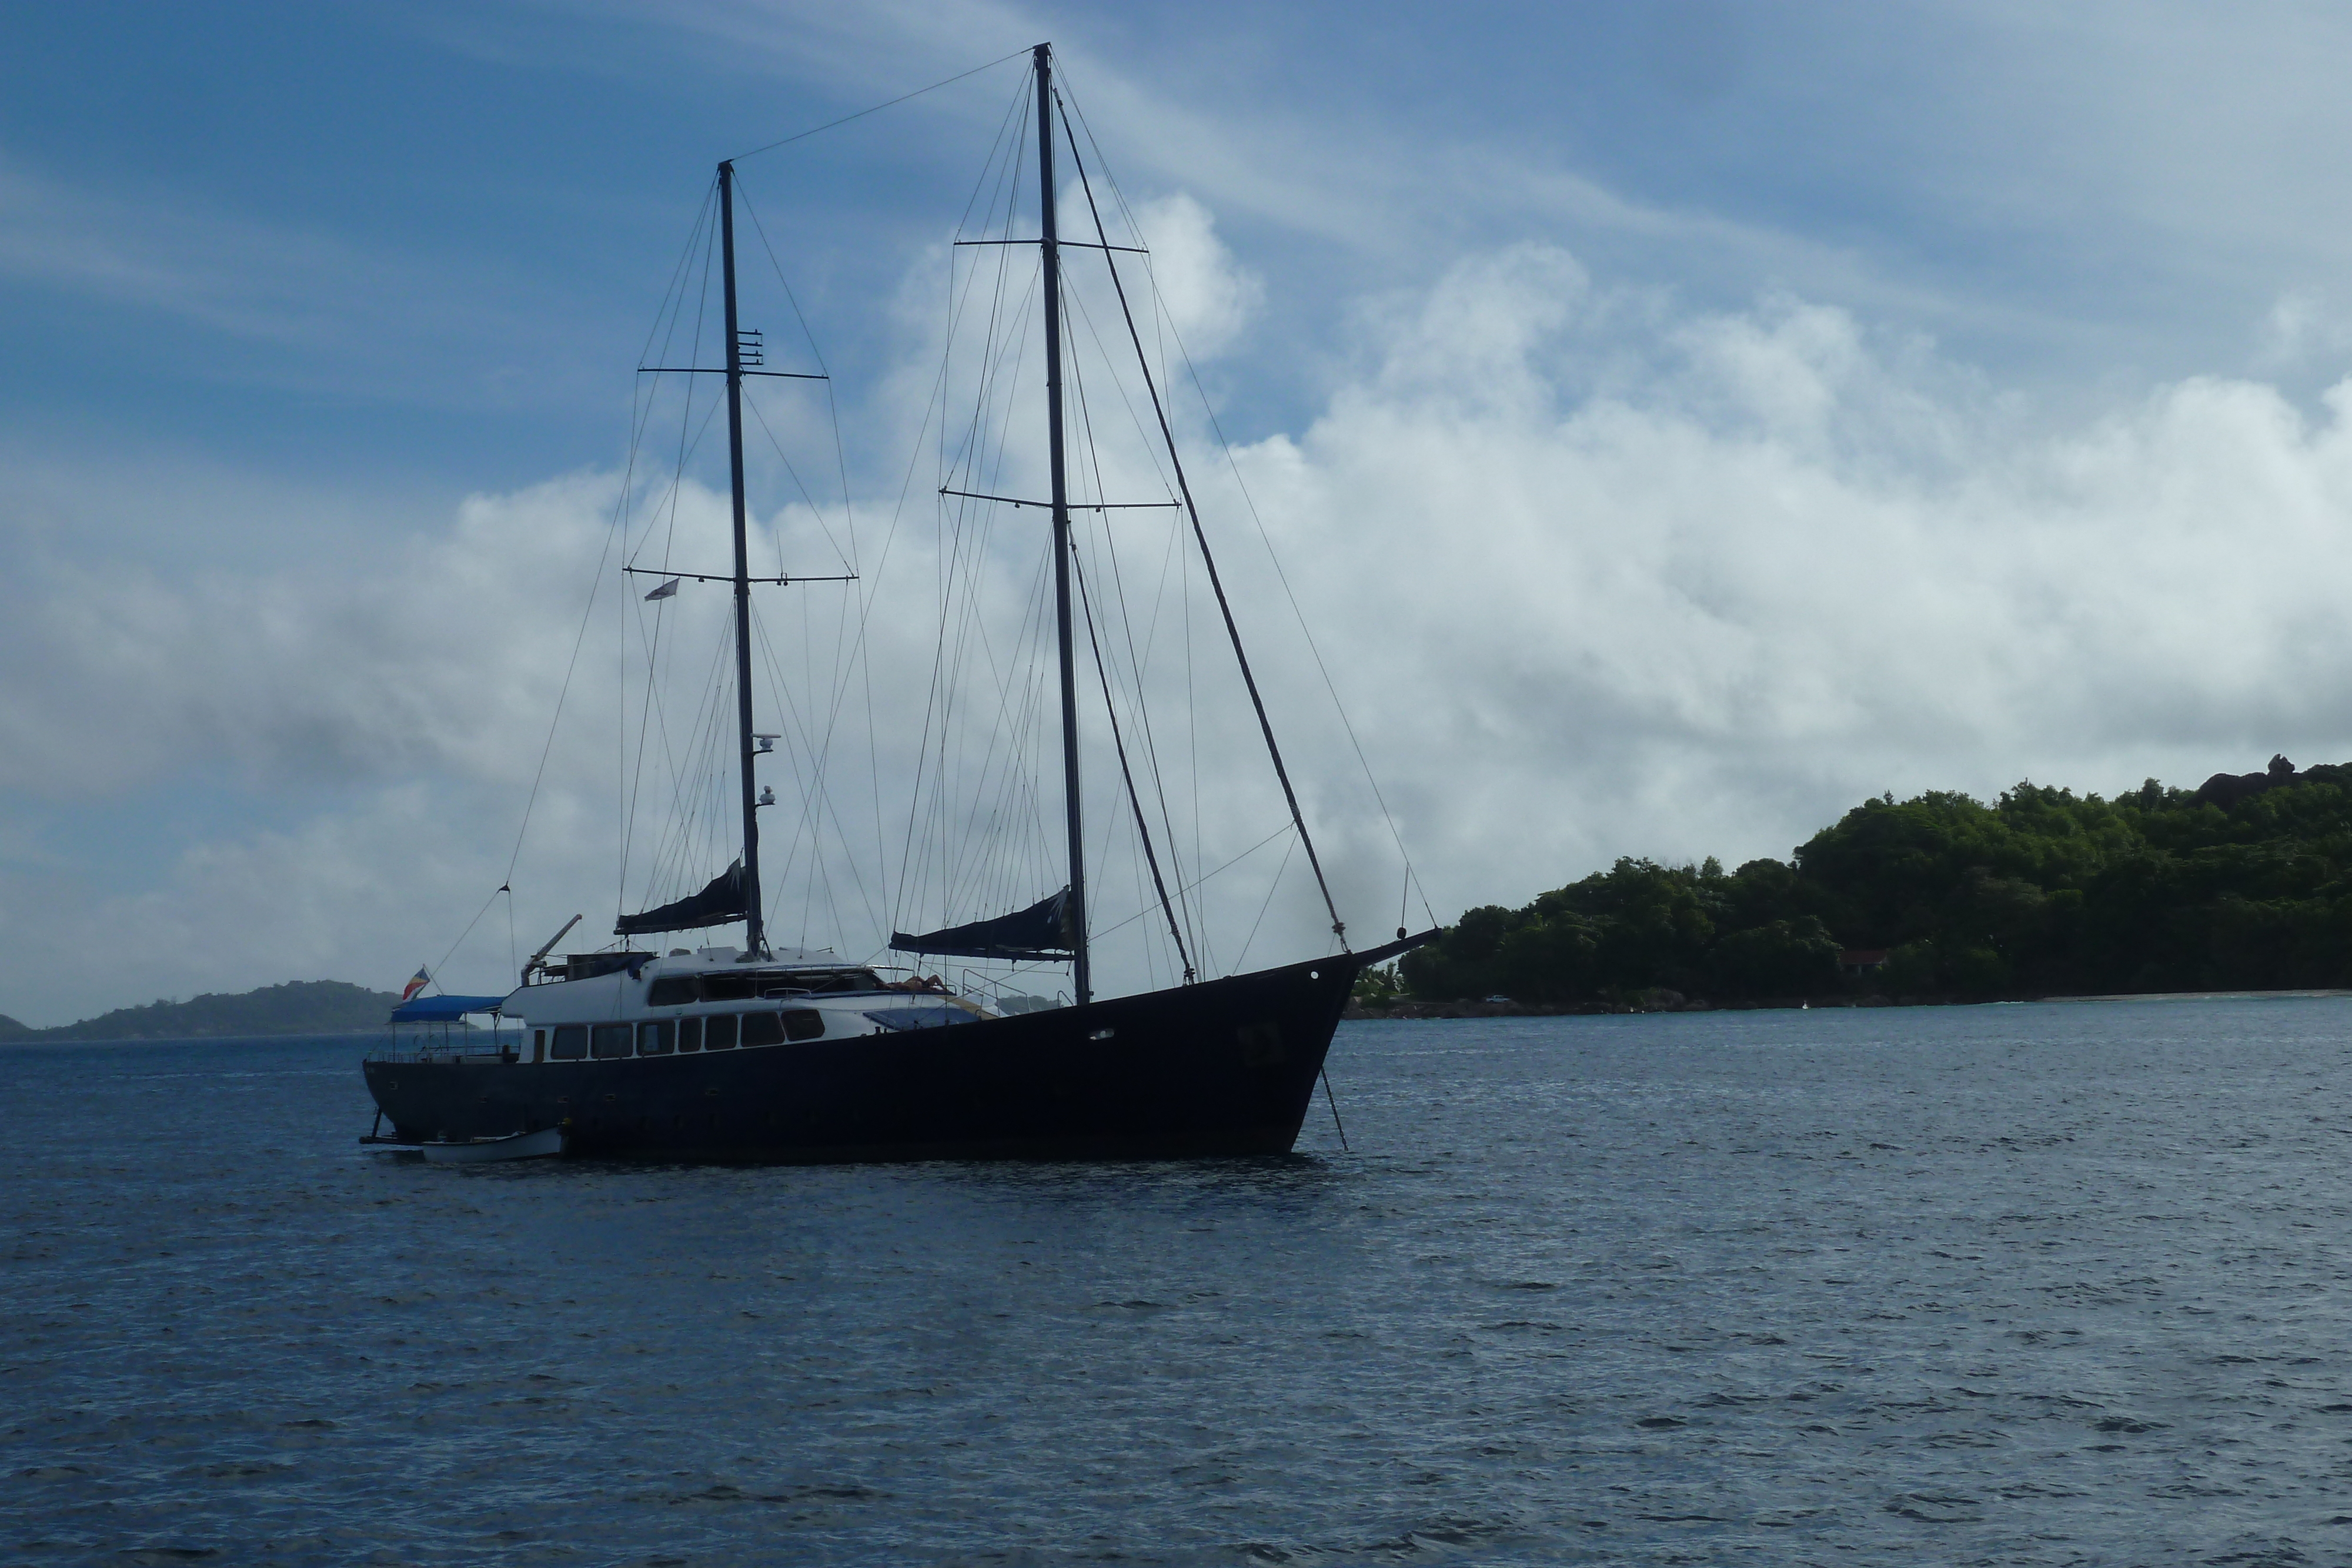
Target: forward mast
1049, 245
754, 931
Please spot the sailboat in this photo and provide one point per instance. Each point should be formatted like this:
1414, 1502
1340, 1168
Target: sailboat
764, 1052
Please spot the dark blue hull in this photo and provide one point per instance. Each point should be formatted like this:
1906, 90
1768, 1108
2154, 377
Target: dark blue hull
1223, 1067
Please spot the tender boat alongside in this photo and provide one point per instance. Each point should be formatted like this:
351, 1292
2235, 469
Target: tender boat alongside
536, 1145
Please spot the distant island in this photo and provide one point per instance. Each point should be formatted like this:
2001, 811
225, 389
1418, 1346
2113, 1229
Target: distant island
297, 1007
2242, 884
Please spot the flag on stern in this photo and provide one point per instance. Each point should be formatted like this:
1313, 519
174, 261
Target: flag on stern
416, 985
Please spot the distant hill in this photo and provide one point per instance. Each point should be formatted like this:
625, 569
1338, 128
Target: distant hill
2242, 884
297, 1007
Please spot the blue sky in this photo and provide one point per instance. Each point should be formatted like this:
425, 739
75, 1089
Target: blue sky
1817, 399
410, 240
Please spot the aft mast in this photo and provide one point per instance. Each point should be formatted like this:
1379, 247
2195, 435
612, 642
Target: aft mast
1081, 971
754, 936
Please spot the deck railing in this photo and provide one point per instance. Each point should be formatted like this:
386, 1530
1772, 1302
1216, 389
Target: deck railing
431, 1043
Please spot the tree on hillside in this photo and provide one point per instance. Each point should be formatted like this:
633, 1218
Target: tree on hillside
2245, 883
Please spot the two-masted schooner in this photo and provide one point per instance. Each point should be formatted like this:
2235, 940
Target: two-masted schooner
763, 1052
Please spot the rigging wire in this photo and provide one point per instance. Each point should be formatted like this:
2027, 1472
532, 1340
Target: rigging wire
840, 459
935, 405
1273, 751
1134, 800
892, 103
640, 420
696, 818
1006, 173
436, 971
844, 653
696, 810
816, 800
801, 485
812, 797
686, 449
1226, 446
1137, 661
1202, 879
1273, 888
982, 452
848, 651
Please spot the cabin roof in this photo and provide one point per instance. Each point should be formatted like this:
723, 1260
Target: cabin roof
703, 960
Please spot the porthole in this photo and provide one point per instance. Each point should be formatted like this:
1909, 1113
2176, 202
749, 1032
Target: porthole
1102, 1034
1314, 974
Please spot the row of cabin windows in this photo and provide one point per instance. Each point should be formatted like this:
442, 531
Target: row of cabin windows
661, 1037
677, 990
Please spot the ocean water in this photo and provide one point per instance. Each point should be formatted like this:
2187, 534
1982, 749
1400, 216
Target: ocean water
2035, 1284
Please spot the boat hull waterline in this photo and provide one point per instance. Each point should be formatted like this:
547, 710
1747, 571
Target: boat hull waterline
1224, 1067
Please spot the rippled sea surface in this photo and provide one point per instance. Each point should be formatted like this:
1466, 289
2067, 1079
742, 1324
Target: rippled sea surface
2039, 1284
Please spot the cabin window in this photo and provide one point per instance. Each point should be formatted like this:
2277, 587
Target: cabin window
764, 1028
571, 1042
653, 1039
727, 987
689, 1034
804, 1023
719, 1032
537, 1049
670, 991
611, 1039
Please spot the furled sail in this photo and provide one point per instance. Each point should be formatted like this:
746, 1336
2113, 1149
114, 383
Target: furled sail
1039, 933
716, 905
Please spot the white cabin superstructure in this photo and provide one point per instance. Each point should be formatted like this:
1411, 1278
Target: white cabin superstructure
606, 1005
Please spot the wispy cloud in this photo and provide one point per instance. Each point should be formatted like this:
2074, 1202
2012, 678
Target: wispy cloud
304, 307
233, 274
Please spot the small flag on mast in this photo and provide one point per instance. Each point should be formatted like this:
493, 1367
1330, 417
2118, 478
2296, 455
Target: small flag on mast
667, 590
416, 985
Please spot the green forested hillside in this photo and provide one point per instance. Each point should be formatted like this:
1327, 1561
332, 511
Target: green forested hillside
297, 1007
2238, 885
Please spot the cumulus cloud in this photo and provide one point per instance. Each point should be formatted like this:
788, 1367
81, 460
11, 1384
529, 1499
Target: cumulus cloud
1208, 298
329, 675
2302, 326
1778, 565
1593, 575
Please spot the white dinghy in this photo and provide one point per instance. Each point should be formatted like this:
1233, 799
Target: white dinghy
537, 1145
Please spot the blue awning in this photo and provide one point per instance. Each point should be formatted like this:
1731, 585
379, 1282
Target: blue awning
444, 1009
